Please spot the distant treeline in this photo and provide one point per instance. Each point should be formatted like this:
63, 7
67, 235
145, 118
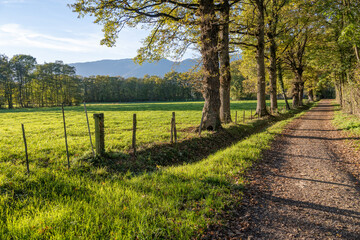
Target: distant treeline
172, 87
24, 83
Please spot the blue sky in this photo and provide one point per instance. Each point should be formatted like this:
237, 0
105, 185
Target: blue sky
49, 31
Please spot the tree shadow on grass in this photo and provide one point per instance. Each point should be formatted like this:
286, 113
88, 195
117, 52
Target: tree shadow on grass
187, 151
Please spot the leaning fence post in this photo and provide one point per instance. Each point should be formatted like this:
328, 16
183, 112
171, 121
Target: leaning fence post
175, 132
26, 151
201, 123
66, 143
172, 131
87, 120
134, 134
99, 134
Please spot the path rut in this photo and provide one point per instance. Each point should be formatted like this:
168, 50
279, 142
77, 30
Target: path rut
300, 190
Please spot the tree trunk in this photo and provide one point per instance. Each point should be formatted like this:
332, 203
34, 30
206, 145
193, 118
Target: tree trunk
272, 76
260, 59
208, 48
282, 86
311, 95
224, 57
295, 93
272, 68
301, 93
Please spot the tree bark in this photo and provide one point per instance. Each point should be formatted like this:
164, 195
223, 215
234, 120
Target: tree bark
272, 76
282, 86
272, 68
311, 95
224, 57
301, 93
295, 93
260, 59
208, 48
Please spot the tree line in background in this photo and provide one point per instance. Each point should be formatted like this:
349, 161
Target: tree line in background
305, 46
24, 83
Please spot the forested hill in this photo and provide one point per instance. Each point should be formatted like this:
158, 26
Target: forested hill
128, 68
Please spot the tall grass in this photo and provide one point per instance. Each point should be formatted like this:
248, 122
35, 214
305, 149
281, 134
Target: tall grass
88, 202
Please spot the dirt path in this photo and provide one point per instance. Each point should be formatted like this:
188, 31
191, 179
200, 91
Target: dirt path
301, 189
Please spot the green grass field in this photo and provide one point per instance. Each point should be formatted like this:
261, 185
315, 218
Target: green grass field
45, 133
93, 200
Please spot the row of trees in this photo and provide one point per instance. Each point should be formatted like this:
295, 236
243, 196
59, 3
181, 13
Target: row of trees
172, 87
278, 38
23, 83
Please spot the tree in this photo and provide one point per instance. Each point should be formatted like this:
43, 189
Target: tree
6, 81
22, 66
249, 32
114, 15
274, 11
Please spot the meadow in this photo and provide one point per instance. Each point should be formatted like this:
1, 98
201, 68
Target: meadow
102, 199
45, 133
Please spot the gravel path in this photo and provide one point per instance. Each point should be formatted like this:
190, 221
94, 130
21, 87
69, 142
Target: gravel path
301, 189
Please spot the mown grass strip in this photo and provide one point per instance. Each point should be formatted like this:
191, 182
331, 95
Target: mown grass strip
175, 202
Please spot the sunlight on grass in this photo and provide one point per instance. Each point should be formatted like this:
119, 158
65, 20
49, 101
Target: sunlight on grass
86, 202
347, 122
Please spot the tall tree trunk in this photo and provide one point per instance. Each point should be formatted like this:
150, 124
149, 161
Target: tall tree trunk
209, 52
272, 76
260, 59
224, 57
295, 94
282, 85
301, 93
311, 95
298, 88
273, 49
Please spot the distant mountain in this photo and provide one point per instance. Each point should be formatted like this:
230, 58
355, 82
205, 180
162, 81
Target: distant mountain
127, 68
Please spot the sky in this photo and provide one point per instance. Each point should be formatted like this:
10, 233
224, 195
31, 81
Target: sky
48, 30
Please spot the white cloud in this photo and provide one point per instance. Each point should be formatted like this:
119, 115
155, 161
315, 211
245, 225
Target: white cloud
11, 1
15, 35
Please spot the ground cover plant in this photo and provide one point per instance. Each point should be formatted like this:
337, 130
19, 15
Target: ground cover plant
92, 201
349, 123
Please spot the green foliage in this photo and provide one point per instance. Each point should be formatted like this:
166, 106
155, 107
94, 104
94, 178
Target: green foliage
176, 202
172, 87
25, 84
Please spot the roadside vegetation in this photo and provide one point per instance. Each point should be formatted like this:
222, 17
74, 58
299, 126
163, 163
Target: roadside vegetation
349, 123
95, 199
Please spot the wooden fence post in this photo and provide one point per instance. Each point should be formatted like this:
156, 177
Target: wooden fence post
99, 134
244, 117
235, 117
174, 126
26, 151
172, 131
134, 134
66, 143
251, 114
